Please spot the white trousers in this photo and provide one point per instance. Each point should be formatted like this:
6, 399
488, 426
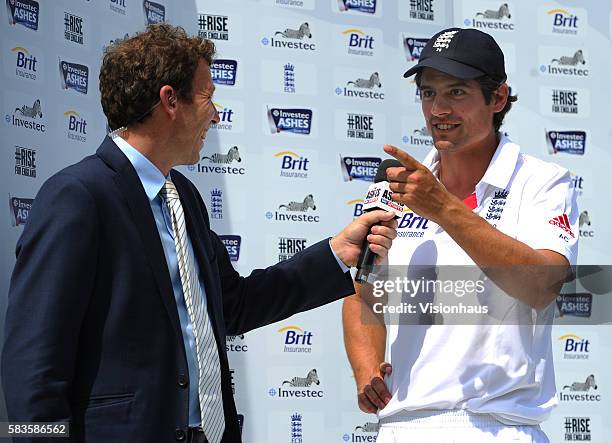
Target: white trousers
454, 427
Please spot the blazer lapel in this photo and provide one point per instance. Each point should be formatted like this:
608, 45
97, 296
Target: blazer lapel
131, 188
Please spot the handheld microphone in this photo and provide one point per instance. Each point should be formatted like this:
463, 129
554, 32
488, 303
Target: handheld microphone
378, 197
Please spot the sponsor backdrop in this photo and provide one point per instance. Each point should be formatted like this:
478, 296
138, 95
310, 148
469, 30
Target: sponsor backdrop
308, 92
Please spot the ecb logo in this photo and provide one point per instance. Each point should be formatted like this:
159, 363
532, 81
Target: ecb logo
24, 13
224, 72
153, 12
74, 76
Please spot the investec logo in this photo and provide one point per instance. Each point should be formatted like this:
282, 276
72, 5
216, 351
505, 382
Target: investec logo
25, 63
76, 126
235, 343
213, 27
568, 142
222, 163
73, 28
295, 211
580, 391
296, 339
566, 64
419, 137
366, 432
499, 19
359, 168
224, 72
291, 38
118, 6
413, 47
365, 6
357, 206
561, 21
154, 12
293, 165
226, 118
299, 387
575, 347
362, 88
23, 12
296, 121
74, 76
20, 210
358, 42
232, 245
412, 225
26, 117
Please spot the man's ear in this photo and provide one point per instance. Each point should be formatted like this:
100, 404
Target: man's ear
500, 97
167, 98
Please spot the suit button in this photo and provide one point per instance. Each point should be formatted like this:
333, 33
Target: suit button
183, 380
179, 434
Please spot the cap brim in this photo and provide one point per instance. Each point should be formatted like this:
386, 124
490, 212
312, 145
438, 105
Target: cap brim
448, 66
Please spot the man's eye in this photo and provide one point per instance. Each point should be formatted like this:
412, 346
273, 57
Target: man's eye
427, 93
457, 92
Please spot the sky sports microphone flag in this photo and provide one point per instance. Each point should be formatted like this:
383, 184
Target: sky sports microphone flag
378, 197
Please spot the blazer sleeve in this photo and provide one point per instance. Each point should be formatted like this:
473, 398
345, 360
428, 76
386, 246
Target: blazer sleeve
49, 293
306, 281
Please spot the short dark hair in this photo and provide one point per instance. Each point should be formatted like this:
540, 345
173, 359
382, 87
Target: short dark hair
135, 68
488, 86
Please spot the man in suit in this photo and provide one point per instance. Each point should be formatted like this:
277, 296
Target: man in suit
122, 296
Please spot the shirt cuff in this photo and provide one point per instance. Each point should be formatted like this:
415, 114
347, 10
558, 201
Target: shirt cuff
344, 268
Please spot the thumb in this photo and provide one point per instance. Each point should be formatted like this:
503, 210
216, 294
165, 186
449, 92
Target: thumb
372, 217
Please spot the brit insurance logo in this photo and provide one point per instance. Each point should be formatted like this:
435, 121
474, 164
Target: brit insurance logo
359, 42
235, 343
498, 18
25, 161
562, 21
224, 71
24, 13
293, 165
74, 76
221, 163
296, 211
575, 347
27, 116
27, 65
232, 244
153, 12
412, 225
359, 168
413, 46
420, 136
230, 117
361, 6
580, 391
296, 339
293, 121
574, 305
299, 387
20, 209
289, 246
76, 126
213, 27
291, 38
365, 432
577, 184
73, 28
563, 62
567, 142
118, 6
369, 87
356, 206
577, 428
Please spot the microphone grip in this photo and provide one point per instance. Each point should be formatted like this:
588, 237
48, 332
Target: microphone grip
365, 263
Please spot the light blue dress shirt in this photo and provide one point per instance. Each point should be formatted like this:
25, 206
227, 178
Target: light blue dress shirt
152, 181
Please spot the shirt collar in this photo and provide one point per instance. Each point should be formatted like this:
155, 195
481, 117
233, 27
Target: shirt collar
151, 178
498, 173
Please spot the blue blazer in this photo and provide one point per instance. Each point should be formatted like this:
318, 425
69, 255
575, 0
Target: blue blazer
92, 330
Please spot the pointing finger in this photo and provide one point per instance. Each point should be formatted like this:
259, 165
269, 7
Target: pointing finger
404, 158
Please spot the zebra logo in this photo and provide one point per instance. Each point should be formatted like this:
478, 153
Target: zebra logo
423, 132
231, 155
232, 338
584, 219
296, 34
368, 427
583, 387
578, 57
369, 83
492, 14
31, 112
300, 206
304, 382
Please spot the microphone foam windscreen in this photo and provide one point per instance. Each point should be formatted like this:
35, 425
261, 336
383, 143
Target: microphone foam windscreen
381, 173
